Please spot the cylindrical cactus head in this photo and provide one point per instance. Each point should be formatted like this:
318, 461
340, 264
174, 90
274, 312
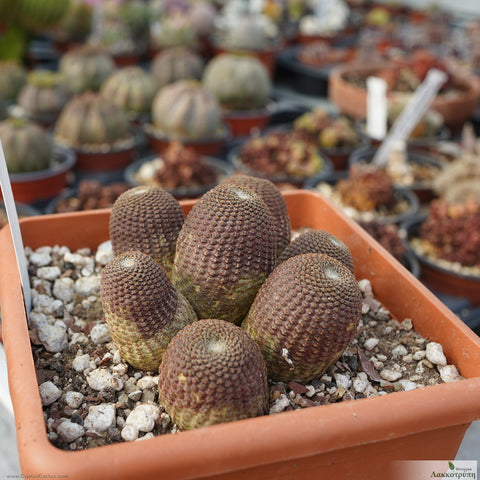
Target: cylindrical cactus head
225, 250
148, 219
90, 121
186, 110
239, 82
274, 200
177, 63
304, 316
131, 88
318, 241
212, 372
27, 146
142, 308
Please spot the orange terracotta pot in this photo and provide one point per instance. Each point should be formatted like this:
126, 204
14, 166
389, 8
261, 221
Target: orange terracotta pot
243, 123
350, 440
352, 100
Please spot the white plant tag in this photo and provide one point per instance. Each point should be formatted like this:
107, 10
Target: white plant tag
376, 108
15, 231
411, 114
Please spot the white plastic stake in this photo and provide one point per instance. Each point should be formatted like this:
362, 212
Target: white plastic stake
376, 108
411, 114
15, 230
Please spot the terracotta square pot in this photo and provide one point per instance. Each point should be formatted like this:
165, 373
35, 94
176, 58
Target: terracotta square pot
356, 439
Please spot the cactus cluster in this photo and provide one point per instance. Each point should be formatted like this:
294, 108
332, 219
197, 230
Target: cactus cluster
239, 82
27, 146
232, 312
326, 130
451, 231
91, 123
367, 188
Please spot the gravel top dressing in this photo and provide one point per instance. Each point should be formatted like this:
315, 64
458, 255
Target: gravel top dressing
91, 397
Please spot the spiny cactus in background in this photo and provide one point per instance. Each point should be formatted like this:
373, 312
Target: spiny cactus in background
147, 219
225, 250
142, 308
318, 241
85, 68
43, 96
239, 82
212, 372
304, 316
185, 110
451, 231
12, 78
76, 24
27, 146
173, 29
114, 37
90, 122
39, 15
132, 89
176, 63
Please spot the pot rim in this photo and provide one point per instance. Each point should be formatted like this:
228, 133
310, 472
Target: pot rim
222, 136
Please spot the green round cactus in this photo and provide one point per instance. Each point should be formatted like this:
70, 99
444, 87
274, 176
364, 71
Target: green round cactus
43, 96
131, 88
90, 122
172, 29
27, 146
176, 63
186, 110
85, 68
240, 82
38, 15
76, 24
12, 78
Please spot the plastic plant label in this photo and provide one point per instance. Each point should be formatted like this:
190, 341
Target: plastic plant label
411, 114
376, 108
15, 230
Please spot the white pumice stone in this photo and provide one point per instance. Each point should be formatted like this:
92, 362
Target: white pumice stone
88, 285
104, 253
69, 431
73, 399
63, 289
434, 353
81, 362
100, 379
48, 273
449, 373
100, 334
143, 417
129, 433
49, 392
53, 337
100, 417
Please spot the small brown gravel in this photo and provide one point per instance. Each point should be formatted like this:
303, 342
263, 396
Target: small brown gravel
91, 397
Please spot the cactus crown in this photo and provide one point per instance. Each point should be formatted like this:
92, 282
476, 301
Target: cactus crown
44, 78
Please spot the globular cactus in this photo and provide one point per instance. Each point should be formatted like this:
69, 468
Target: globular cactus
147, 219
76, 24
131, 88
318, 241
304, 316
177, 63
13, 77
90, 122
43, 96
212, 372
239, 82
185, 110
27, 146
85, 68
142, 308
38, 15
113, 37
173, 29
274, 200
225, 250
